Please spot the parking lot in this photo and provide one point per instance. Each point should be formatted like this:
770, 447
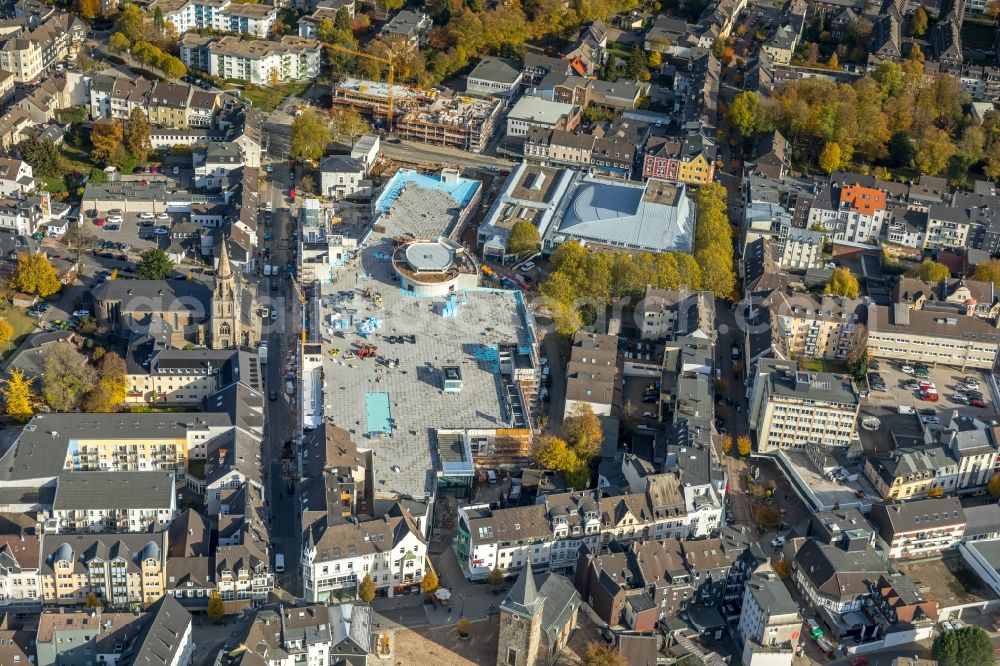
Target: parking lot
946, 380
126, 235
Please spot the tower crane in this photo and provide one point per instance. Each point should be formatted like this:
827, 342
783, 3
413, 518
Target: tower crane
390, 79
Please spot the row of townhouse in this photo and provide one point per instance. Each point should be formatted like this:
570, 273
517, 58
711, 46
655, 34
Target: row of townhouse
261, 62
550, 535
169, 105
225, 16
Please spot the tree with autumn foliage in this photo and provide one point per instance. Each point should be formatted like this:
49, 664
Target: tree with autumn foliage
88, 9
582, 430
743, 445
727, 444
366, 590
429, 584
599, 653
111, 389
35, 275
19, 398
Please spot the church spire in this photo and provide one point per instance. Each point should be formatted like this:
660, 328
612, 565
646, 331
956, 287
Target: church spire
225, 270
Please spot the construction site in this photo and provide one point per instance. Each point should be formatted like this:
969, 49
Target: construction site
433, 383
463, 123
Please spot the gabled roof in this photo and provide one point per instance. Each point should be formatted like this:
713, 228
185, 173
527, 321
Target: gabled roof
523, 596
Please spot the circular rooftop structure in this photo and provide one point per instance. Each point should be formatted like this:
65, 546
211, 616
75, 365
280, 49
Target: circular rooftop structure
428, 257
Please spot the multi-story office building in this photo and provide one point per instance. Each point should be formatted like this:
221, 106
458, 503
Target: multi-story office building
901, 333
792, 409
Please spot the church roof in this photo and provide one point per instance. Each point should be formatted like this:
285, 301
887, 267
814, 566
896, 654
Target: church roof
523, 597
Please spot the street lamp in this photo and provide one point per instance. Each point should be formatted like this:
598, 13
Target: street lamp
462, 599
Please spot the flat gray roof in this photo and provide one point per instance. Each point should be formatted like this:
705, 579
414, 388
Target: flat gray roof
362, 395
102, 490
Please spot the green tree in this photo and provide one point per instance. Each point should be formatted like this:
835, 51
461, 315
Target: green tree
636, 64
989, 272
918, 22
154, 264
34, 275
830, 158
216, 607
118, 43
934, 149
429, 584
138, 142
18, 397
342, 20
842, 283
523, 238
43, 156
744, 113
132, 23
366, 591
66, 377
968, 646
158, 23
932, 271
859, 367
310, 135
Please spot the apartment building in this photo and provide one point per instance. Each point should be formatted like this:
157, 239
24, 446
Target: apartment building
901, 333
161, 635
116, 96
20, 585
171, 108
591, 373
337, 555
835, 576
792, 409
536, 112
180, 376
813, 326
34, 49
257, 61
948, 226
111, 502
214, 163
958, 296
849, 212
688, 159
122, 570
769, 618
799, 249
668, 315
168, 103
549, 535
342, 176
409, 27
920, 528
224, 16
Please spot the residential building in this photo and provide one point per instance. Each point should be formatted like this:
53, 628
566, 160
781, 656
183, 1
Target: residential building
124, 570
799, 249
116, 96
181, 376
550, 534
16, 178
591, 373
337, 555
34, 48
224, 16
410, 27
214, 163
850, 212
967, 298
495, 76
20, 585
111, 502
791, 408
342, 177
261, 62
168, 103
535, 112
769, 618
688, 159
982, 522
161, 635
836, 576
822, 327
899, 332
537, 618
366, 150
17, 646
617, 95
920, 528
673, 314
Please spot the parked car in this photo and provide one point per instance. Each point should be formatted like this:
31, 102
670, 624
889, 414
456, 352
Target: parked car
778, 542
976, 402
81, 313
162, 216
162, 231
146, 216
814, 629
273, 394
929, 396
907, 369
859, 661
116, 219
527, 266
959, 398
930, 419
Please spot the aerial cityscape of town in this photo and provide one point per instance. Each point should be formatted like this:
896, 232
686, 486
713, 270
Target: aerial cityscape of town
499, 332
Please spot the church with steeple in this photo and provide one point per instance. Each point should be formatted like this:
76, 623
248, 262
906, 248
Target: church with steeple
232, 322
537, 618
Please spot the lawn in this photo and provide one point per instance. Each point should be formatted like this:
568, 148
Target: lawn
267, 98
823, 365
22, 324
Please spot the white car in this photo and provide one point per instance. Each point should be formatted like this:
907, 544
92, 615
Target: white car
81, 313
176, 170
116, 219
527, 266
162, 216
274, 314
778, 542
907, 369
905, 409
161, 231
146, 216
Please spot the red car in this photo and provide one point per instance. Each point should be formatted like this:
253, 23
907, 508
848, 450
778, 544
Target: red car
859, 661
978, 403
99, 222
929, 397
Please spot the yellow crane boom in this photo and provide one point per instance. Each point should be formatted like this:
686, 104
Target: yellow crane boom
390, 79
